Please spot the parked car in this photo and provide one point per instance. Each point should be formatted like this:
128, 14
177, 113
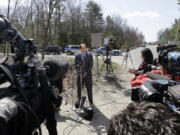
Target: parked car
116, 52
72, 49
53, 49
102, 51
143, 45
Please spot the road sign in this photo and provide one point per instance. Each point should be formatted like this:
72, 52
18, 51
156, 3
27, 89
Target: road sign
96, 39
163, 40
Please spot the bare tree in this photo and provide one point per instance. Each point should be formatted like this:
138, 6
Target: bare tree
65, 22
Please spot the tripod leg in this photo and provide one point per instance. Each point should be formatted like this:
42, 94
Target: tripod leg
110, 74
107, 67
131, 61
100, 72
124, 59
110, 68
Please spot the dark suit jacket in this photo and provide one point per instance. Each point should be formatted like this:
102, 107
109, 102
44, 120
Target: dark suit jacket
87, 64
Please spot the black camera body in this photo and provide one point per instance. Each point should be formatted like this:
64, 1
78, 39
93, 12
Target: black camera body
169, 57
150, 91
21, 45
107, 61
87, 113
80, 69
165, 47
161, 91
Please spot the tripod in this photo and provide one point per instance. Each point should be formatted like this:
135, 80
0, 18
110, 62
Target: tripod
125, 59
109, 69
80, 70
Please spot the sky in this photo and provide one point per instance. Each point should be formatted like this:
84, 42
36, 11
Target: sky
149, 16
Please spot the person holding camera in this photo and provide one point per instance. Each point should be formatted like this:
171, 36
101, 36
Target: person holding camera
84, 64
163, 73
147, 58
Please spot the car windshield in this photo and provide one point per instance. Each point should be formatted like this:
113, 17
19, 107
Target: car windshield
103, 49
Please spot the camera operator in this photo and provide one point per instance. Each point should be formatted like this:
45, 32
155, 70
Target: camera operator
84, 64
169, 60
108, 47
147, 57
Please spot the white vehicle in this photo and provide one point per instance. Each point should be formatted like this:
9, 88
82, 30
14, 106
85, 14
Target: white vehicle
72, 49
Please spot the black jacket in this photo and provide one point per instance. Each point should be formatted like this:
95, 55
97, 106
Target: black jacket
85, 64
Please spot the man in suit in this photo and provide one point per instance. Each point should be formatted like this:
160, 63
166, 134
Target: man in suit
83, 64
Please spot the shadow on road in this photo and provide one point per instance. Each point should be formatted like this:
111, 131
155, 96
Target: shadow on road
117, 83
61, 118
100, 122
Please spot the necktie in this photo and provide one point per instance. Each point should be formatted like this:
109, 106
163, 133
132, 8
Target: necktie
83, 57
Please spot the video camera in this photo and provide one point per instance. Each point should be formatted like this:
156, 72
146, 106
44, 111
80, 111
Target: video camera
21, 45
80, 69
161, 91
26, 68
169, 58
